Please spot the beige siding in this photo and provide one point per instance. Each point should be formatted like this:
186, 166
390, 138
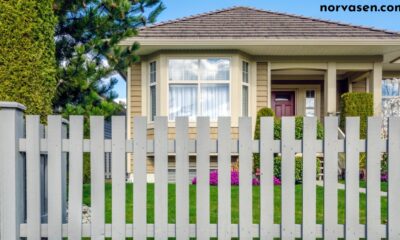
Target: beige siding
192, 163
192, 133
136, 92
262, 85
359, 86
135, 98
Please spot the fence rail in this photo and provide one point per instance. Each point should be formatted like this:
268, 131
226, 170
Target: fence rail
19, 150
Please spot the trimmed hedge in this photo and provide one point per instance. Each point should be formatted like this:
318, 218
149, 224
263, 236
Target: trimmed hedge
356, 105
27, 54
298, 168
267, 112
298, 128
263, 112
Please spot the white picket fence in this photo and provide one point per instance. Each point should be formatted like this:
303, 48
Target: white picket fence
18, 219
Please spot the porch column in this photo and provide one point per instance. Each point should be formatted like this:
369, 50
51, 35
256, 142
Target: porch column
375, 87
330, 89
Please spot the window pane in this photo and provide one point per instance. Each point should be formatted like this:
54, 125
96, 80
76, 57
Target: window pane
183, 69
215, 100
182, 101
152, 66
152, 72
214, 69
245, 72
310, 113
245, 101
310, 103
390, 87
153, 102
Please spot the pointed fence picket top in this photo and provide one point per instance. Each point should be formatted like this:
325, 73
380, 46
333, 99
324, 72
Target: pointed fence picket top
16, 144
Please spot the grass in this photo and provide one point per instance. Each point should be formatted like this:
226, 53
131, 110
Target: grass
235, 204
363, 184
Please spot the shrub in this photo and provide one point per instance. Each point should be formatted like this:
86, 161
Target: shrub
356, 105
298, 128
267, 112
27, 54
263, 112
298, 168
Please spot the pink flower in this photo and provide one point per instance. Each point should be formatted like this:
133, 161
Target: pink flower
234, 179
277, 181
256, 182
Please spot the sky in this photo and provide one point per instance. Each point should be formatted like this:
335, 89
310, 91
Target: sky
310, 8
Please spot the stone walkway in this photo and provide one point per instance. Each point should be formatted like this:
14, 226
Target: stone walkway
342, 187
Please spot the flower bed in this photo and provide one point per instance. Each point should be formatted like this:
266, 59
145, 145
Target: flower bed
234, 179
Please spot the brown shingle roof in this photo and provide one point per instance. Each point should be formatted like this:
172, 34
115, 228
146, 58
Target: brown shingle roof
250, 23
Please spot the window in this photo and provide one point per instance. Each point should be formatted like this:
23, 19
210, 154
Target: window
153, 94
310, 103
199, 87
245, 89
391, 87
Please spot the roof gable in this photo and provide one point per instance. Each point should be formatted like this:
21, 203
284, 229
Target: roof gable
250, 23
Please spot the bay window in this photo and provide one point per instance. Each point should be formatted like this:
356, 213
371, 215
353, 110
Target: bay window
245, 89
152, 90
199, 87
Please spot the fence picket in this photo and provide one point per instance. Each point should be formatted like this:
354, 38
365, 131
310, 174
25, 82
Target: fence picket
182, 178
64, 163
55, 175
309, 178
245, 179
267, 178
394, 178
97, 177
56, 147
75, 177
43, 178
161, 178
330, 177
288, 180
352, 177
140, 178
373, 178
33, 177
203, 177
224, 178
118, 159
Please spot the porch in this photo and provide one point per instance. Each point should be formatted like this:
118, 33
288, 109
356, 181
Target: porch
314, 89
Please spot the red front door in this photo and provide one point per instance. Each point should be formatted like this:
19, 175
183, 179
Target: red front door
283, 103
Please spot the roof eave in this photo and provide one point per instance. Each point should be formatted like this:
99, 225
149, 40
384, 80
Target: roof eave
244, 42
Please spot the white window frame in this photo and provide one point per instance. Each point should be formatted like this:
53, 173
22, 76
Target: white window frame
199, 82
150, 85
245, 84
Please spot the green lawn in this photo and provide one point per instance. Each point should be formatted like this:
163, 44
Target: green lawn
363, 184
235, 204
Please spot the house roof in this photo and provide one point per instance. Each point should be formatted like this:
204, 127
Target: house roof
250, 23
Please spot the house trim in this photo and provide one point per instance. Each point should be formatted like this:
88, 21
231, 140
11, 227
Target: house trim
275, 42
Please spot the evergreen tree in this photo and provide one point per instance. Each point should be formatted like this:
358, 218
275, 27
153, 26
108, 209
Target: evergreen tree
27, 50
87, 50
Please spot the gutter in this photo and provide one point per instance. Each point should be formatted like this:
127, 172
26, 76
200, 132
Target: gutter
261, 42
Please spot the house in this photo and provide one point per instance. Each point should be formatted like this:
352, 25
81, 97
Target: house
234, 61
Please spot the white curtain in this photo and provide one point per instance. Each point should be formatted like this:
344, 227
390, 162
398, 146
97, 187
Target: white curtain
182, 101
215, 100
